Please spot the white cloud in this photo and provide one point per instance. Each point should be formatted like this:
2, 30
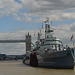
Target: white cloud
37, 8
15, 48
8, 7
37, 11
62, 32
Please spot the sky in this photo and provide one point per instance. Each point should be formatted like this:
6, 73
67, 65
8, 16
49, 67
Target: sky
18, 17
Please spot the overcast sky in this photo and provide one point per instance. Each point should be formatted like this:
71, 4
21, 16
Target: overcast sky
18, 17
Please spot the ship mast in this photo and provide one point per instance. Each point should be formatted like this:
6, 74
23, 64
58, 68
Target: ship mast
47, 27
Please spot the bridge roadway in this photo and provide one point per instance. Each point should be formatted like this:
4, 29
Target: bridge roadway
12, 41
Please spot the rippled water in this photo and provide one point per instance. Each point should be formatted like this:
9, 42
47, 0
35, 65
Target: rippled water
18, 68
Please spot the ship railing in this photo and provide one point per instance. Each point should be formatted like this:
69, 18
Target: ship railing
50, 50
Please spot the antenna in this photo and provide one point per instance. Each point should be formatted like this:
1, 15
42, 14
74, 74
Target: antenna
47, 21
42, 24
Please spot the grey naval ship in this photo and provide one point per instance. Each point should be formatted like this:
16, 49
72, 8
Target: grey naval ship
50, 52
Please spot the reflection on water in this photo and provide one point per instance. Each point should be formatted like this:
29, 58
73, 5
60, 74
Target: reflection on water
18, 68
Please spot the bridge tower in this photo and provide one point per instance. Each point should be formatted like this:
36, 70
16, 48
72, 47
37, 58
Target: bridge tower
28, 42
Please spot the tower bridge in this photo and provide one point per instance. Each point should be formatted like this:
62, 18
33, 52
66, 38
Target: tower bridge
27, 41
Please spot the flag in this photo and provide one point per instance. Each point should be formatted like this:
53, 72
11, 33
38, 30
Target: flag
34, 34
40, 32
71, 37
42, 24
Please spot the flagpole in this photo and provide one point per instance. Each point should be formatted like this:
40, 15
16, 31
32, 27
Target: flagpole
73, 42
72, 39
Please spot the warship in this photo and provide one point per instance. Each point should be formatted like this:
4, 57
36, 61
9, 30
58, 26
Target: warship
50, 52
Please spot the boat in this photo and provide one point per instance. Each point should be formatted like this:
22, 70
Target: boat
50, 52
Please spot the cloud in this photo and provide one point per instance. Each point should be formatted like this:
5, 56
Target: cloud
27, 10
8, 7
73, 28
18, 29
12, 48
34, 11
62, 32
15, 48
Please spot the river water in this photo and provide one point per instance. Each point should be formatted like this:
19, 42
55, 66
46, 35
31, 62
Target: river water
18, 68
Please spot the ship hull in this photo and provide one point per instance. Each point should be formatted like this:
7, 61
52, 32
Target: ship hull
61, 59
